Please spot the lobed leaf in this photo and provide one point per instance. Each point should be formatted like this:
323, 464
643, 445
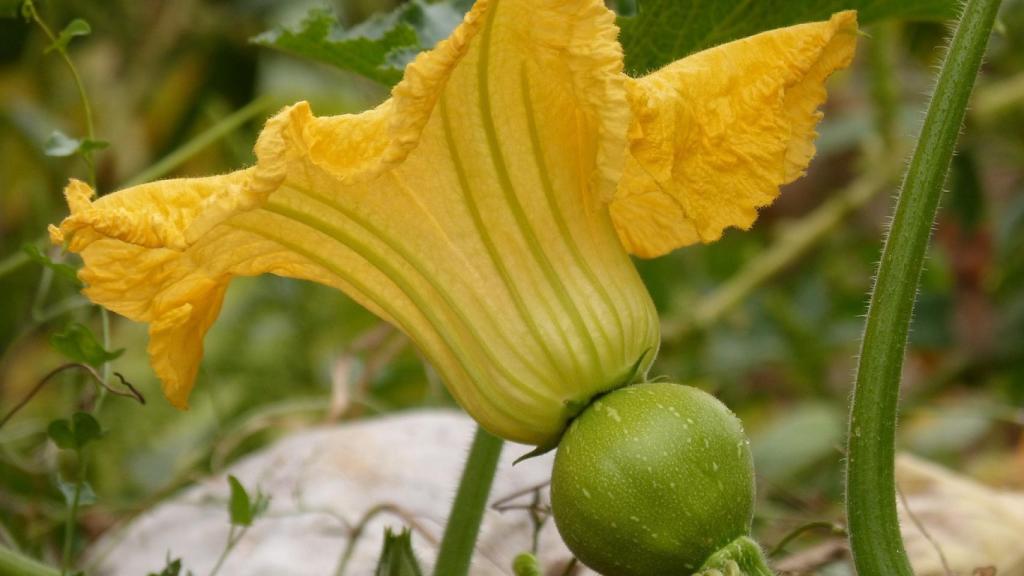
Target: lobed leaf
378, 48
665, 30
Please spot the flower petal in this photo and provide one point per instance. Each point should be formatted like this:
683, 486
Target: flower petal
715, 134
468, 210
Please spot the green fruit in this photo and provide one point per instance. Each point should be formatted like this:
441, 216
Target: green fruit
651, 480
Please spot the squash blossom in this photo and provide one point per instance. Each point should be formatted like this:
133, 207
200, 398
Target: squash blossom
487, 209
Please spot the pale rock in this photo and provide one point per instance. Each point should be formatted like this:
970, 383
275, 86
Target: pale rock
317, 477
974, 526
322, 481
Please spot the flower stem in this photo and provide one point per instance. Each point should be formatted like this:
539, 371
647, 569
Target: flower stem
468, 510
14, 564
72, 519
870, 482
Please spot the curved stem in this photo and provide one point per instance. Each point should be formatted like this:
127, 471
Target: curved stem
468, 510
86, 107
870, 481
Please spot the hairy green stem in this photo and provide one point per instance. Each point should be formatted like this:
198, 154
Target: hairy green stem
468, 510
870, 480
14, 564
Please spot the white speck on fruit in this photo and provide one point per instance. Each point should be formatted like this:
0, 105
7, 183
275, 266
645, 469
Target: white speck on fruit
714, 466
586, 493
613, 413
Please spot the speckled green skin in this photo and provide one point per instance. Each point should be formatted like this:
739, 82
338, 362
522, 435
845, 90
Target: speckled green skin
651, 480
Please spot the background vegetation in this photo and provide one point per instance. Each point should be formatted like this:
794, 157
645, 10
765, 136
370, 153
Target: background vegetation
768, 320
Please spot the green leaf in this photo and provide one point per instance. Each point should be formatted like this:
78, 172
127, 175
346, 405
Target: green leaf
91, 145
171, 568
666, 30
86, 428
78, 343
76, 27
397, 557
76, 434
60, 145
378, 48
86, 495
60, 432
239, 506
64, 270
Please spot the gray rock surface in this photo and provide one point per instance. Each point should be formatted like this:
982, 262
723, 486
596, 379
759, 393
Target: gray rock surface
321, 483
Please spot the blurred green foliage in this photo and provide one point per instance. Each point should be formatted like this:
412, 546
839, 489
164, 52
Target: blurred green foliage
655, 32
286, 354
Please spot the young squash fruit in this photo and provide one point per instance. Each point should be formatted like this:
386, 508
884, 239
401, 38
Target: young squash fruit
653, 479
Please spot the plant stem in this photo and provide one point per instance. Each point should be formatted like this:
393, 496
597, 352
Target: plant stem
468, 509
885, 96
86, 107
14, 564
234, 537
797, 240
219, 130
69, 526
13, 262
106, 368
870, 481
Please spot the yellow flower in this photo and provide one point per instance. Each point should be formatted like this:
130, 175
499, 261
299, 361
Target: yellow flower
486, 209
